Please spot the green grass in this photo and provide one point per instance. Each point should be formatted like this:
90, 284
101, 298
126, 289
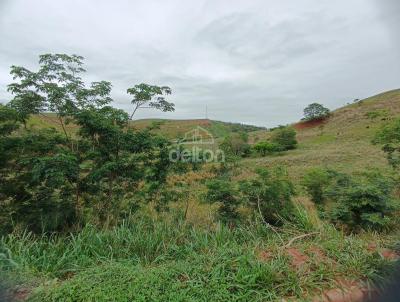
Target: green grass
343, 143
160, 261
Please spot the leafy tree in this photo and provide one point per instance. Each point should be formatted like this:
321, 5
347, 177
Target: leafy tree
363, 202
270, 194
224, 193
8, 120
266, 147
316, 181
56, 87
389, 137
150, 96
285, 138
49, 181
236, 145
315, 111
38, 182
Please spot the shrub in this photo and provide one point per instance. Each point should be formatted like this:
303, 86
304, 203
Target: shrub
270, 194
363, 202
315, 111
389, 137
377, 113
236, 145
224, 193
315, 181
285, 138
265, 148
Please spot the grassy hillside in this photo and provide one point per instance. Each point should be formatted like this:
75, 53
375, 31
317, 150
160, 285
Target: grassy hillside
343, 141
172, 129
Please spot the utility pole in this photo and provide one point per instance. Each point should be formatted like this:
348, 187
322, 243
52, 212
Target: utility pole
206, 113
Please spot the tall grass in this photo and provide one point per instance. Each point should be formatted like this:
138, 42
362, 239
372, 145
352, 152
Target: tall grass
148, 260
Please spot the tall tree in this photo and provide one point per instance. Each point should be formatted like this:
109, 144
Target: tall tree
56, 87
315, 111
150, 96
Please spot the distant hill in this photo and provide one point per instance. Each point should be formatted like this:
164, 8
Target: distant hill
170, 128
178, 128
347, 128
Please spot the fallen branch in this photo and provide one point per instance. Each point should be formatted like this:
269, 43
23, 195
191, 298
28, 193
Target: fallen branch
265, 222
300, 237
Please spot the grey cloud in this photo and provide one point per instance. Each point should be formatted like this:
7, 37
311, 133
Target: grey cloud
257, 61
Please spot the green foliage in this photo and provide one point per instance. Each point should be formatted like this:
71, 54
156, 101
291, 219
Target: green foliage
225, 194
377, 113
270, 194
56, 87
285, 138
315, 111
8, 120
266, 147
236, 145
151, 96
52, 182
160, 261
364, 202
389, 137
316, 181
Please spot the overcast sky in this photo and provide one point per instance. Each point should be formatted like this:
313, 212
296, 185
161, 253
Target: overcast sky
258, 62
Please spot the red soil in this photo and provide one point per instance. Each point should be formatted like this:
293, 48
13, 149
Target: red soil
310, 124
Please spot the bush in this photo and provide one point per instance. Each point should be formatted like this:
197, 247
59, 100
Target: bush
389, 137
315, 181
265, 148
224, 193
285, 138
363, 202
315, 111
236, 145
270, 194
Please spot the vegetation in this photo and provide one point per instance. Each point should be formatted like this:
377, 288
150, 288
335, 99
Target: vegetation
223, 192
93, 209
236, 145
365, 201
147, 260
285, 138
270, 194
264, 148
315, 181
315, 111
50, 181
389, 137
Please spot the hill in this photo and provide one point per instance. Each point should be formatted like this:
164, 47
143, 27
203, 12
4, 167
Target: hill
178, 128
170, 128
343, 141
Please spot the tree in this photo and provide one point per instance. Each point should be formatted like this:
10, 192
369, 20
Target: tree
365, 201
389, 138
150, 96
56, 87
51, 181
285, 138
236, 145
315, 111
316, 181
270, 195
223, 192
265, 148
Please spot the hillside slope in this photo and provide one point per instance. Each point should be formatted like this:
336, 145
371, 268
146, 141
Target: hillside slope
343, 141
172, 129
